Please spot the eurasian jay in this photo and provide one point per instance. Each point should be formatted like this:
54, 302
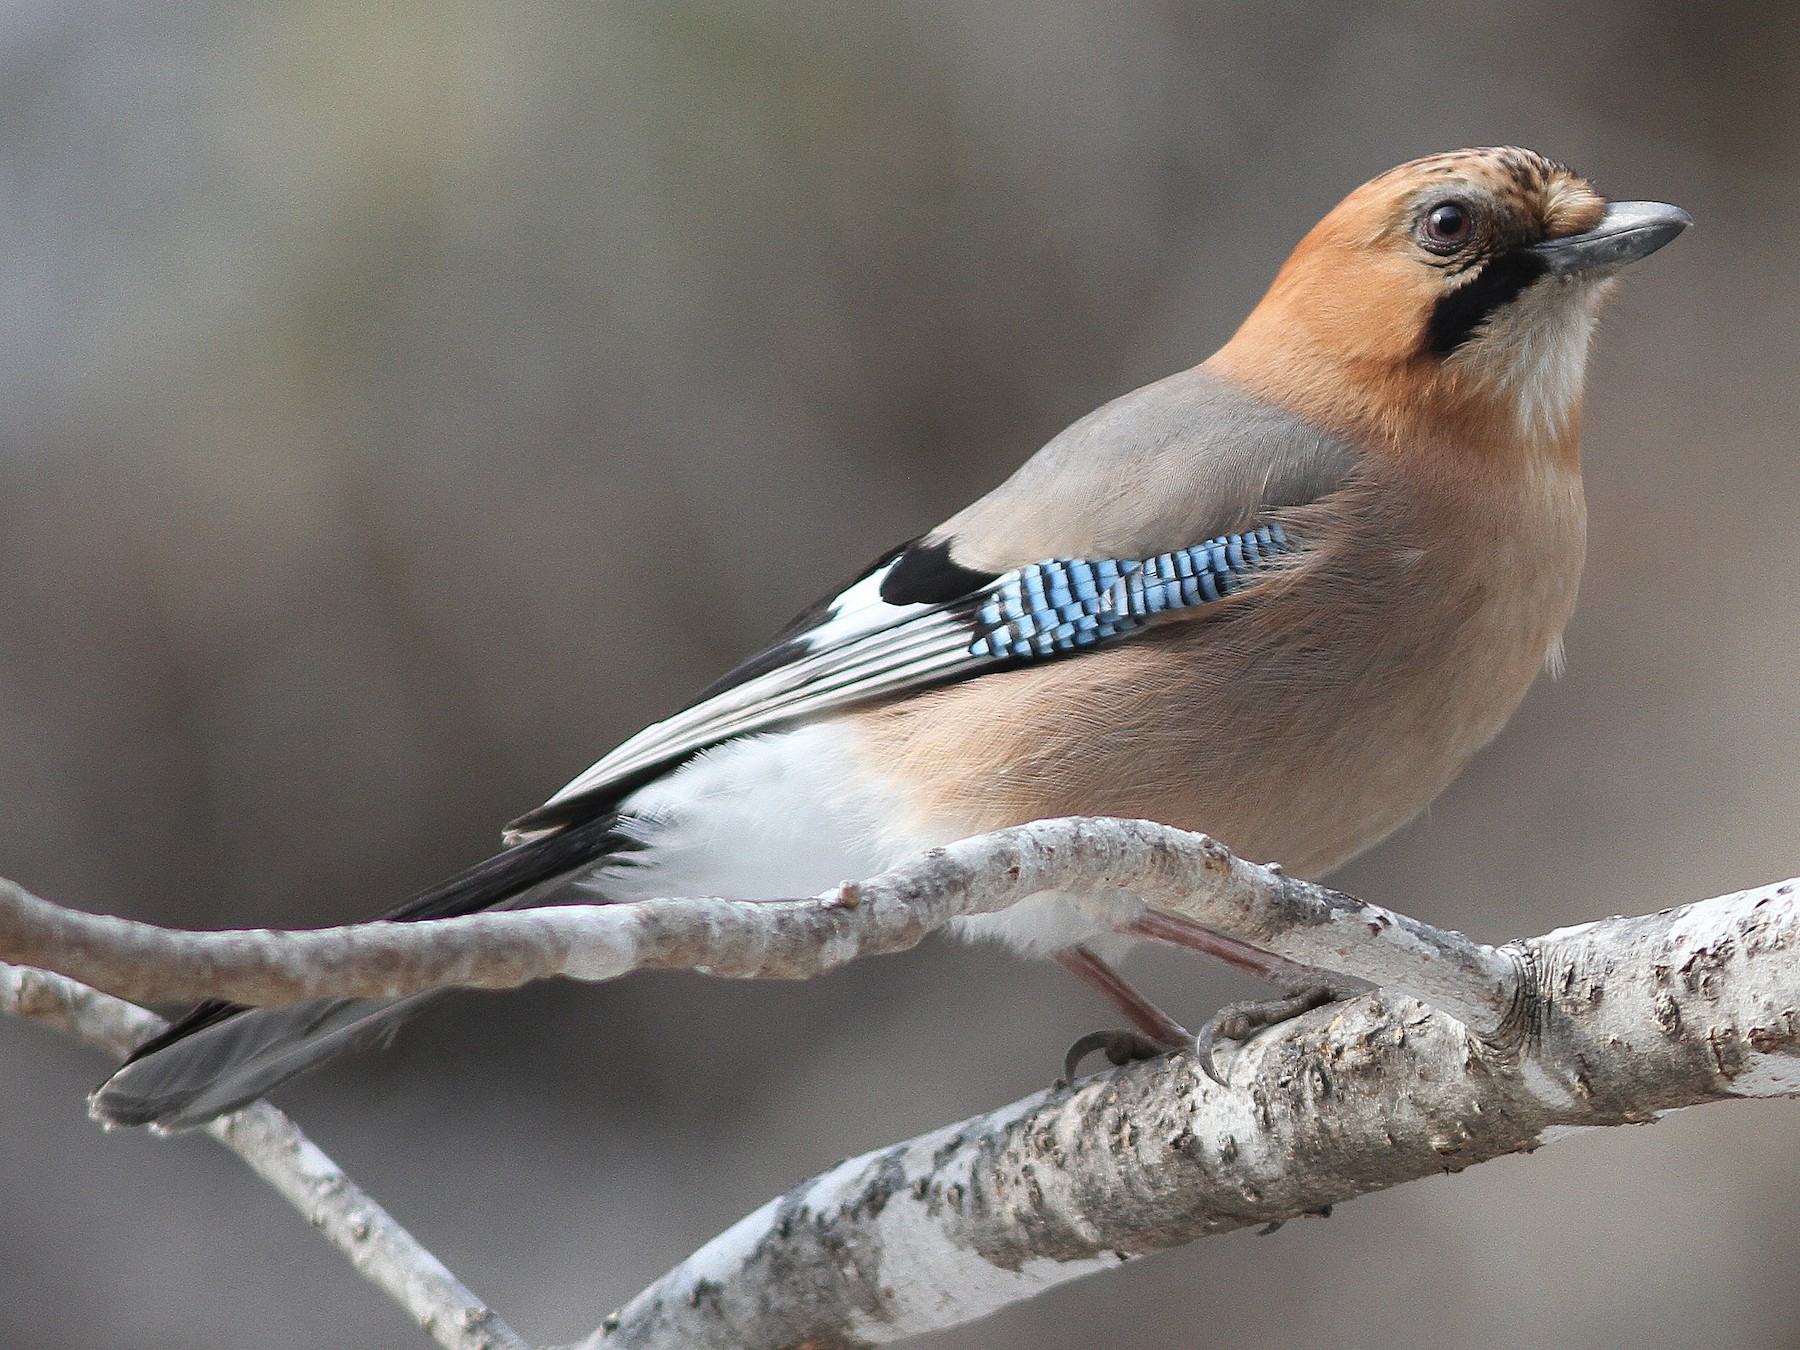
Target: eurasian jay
1280, 598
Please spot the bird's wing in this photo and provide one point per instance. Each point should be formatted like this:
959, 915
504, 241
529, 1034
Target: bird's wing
1098, 534
916, 620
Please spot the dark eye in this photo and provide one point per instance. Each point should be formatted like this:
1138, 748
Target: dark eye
1447, 225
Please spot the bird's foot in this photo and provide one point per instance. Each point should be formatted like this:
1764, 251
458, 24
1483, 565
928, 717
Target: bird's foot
1119, 1047
1236, 1023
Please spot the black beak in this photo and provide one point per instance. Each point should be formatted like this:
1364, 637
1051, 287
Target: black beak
1628, 231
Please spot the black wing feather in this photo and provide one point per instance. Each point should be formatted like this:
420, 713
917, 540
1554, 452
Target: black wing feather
222, 1055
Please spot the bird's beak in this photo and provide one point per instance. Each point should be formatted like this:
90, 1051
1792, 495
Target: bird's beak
1628, 231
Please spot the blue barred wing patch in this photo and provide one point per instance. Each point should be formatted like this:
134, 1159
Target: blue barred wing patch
1066, 604
863, 647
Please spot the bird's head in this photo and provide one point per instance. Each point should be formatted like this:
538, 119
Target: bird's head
1457, 289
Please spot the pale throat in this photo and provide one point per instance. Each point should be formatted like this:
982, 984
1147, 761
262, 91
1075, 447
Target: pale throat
1533, 354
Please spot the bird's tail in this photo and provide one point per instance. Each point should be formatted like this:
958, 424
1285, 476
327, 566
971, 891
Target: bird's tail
221, 1056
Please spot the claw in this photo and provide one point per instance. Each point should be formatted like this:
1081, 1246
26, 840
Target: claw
1238, 1022
1120, 1047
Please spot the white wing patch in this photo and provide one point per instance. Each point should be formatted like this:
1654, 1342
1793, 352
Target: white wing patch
863, 648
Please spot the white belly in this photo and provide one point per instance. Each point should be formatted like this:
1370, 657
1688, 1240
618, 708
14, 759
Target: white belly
791, 814
769, 817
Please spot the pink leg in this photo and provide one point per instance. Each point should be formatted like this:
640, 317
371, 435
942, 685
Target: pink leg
1234, 952
1304, 988
1152, 1021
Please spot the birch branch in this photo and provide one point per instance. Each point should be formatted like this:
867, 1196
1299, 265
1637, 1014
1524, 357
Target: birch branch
275, 1149
1612, 1023
1603, 1024
1167, 869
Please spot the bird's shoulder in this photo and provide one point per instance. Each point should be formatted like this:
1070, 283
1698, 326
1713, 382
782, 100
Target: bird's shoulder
1190, 457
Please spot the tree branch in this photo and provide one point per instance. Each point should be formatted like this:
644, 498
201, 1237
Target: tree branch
1168, 869
1465, 1053
1615, 1023
275, 1149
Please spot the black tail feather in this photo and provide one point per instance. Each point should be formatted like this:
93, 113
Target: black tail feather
220, 1055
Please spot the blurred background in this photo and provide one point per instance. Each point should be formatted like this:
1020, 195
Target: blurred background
404, 403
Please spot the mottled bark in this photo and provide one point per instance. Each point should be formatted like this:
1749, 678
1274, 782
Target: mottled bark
1464, 1053
1612, 1023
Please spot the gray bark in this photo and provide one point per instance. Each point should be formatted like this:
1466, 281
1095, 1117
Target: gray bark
1464, 1053
1160, 867
1613, 1023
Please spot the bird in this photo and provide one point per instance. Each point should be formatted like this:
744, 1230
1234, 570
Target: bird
1281, 597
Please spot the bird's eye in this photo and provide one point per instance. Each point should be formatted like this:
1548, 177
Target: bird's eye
1447, 226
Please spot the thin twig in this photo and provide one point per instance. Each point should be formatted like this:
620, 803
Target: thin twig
275, 1149
1168, 869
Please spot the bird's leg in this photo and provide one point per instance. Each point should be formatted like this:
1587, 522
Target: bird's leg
1230, 951
1306, 987
1153, 1030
